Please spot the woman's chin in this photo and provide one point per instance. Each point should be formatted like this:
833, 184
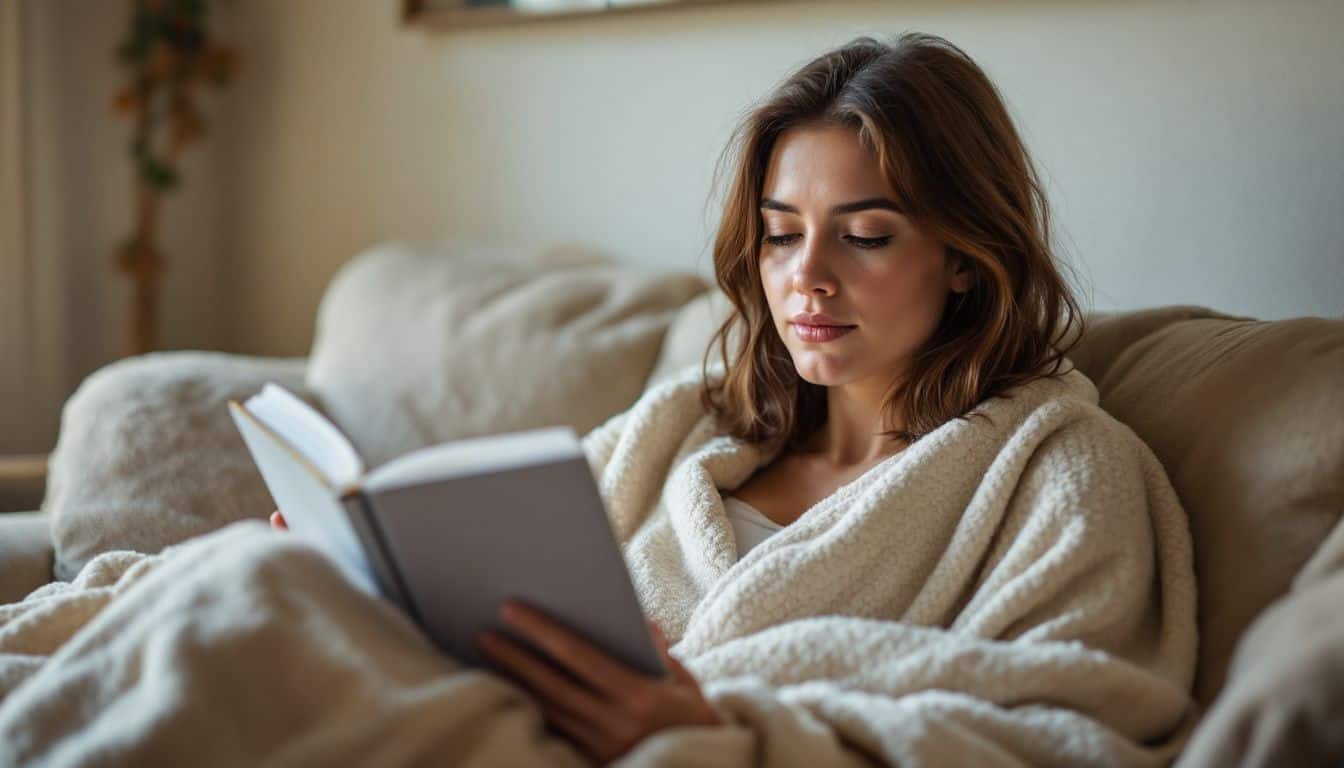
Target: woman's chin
823, 373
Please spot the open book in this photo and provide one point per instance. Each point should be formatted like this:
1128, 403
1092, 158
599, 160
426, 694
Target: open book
449, 532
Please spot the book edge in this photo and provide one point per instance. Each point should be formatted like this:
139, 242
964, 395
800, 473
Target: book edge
285, 445
361, 513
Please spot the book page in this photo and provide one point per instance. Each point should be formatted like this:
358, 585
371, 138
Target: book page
475, 455
308, 432
309, 504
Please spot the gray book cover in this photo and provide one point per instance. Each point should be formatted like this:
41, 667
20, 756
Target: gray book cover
461, 546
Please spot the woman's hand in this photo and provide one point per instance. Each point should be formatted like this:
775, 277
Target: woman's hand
278, 521
614, 707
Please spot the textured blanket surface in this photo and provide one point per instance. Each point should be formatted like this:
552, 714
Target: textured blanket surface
1012, 590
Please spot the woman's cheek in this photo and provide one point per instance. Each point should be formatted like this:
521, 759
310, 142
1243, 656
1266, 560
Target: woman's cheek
776, 284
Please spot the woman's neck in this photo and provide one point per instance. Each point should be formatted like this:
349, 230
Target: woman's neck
852, 434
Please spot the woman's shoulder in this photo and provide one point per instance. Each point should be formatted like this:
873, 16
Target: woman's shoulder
1066, 402
1066, 386
1070, 438
1088, 422
1084, 456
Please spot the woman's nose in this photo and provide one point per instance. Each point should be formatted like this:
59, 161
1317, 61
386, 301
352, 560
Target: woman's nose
812, 271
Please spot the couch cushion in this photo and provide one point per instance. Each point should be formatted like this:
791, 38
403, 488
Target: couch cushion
1245, 416
419, 346
148, 456
688, 337
23, 482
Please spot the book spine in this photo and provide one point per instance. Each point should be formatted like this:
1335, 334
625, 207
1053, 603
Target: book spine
362, 519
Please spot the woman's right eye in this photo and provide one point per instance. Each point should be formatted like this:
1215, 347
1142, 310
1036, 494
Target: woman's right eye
778, 239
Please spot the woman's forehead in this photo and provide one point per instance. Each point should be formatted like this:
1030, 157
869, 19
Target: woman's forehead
821, 166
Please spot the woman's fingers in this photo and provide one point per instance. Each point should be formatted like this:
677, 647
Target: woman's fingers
574, 652
545, 681
278, 521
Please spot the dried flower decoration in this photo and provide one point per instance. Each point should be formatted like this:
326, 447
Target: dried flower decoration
168, 55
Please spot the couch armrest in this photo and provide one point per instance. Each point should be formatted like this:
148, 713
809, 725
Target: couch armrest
22, 481
26, 555
1283, 703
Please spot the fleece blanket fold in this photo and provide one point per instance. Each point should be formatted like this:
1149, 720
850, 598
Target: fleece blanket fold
1010, 590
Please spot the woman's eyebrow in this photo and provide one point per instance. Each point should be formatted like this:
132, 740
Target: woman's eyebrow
858, 205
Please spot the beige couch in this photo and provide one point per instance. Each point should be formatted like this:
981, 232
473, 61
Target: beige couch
418, 346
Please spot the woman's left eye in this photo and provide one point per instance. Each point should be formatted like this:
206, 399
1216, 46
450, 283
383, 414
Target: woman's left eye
855, 240
868, 242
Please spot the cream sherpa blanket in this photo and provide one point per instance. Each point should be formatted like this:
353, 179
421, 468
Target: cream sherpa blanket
1017, 591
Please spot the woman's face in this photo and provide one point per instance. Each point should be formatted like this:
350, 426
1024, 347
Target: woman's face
834, 245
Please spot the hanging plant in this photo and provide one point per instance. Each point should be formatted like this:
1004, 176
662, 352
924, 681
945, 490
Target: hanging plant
168, 56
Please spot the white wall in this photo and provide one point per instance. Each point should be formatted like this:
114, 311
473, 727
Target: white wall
1194, 150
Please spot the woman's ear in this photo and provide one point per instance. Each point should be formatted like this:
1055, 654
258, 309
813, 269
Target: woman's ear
961, 275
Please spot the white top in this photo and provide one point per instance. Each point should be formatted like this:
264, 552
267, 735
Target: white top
750, 527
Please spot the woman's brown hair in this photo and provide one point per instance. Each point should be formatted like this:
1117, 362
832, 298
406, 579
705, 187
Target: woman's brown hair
947, 146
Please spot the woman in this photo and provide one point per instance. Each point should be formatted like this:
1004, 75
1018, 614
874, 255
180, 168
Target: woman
891, 522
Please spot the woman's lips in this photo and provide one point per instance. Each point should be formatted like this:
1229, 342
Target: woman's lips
820, 333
